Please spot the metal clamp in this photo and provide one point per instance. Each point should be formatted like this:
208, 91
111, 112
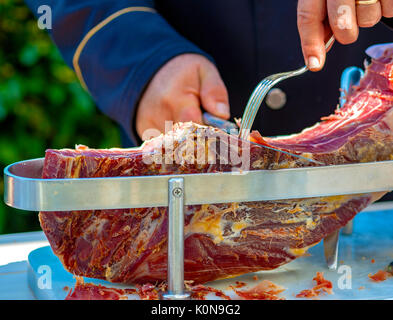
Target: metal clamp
24, 189
175, 270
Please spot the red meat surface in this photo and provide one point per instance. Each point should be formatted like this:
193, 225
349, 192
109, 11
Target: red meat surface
265, 290
221, 240
322, 286
380, 275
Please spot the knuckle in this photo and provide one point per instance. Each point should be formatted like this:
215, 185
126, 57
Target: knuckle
388, 13
387, 8
369, 17
310, 48
348, 37
166, 100
346, 41
214, 89
305, 17
368, 22
213, 85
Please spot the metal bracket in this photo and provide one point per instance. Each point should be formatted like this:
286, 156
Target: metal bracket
175, 270
25, 189
348, 228
330, 245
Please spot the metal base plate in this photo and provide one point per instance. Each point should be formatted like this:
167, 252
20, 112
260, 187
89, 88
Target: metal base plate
372, 238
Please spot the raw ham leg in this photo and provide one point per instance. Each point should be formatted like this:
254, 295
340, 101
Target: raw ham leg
221, 240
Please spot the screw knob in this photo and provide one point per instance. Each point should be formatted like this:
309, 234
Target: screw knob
177, 192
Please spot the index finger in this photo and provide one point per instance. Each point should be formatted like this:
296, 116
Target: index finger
310, 20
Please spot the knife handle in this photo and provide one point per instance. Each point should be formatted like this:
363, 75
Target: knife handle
350, 77
210, 120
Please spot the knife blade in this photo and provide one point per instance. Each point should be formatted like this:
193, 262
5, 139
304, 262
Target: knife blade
232, 128
227, 126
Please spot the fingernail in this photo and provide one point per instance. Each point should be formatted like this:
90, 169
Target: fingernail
313, 63
223, 109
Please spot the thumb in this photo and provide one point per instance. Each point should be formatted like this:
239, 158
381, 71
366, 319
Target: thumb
213, 93
310, 20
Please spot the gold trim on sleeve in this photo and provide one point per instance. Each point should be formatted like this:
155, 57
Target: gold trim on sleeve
93, 31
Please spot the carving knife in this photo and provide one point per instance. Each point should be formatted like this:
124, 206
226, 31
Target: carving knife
232, 128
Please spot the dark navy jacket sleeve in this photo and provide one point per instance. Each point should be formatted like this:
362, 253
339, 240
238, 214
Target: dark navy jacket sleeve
115, 48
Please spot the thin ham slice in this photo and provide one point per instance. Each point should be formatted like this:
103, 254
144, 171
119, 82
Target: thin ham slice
221, 240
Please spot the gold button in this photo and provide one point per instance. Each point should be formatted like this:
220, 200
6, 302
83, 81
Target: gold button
276, 99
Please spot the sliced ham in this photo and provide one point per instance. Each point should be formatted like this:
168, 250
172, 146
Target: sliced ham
221, 240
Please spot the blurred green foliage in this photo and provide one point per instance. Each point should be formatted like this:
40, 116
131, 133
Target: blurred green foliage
42, 104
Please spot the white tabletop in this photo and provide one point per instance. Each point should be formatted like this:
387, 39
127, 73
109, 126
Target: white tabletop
15, 248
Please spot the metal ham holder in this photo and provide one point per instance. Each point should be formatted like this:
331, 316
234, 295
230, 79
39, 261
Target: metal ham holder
24, 189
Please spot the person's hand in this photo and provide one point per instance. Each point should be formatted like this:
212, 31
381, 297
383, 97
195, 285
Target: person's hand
177, 92
342, 18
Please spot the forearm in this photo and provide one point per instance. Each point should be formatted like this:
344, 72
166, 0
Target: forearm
115, 48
